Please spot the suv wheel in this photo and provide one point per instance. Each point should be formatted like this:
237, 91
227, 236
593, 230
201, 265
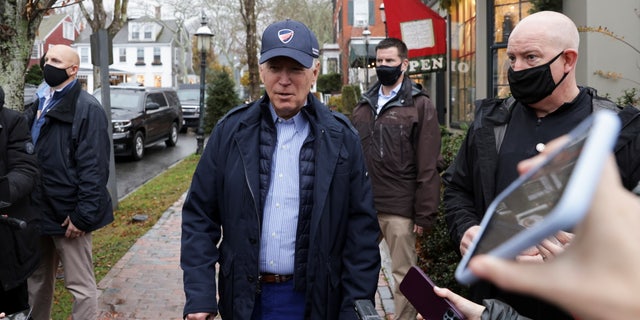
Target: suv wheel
137, 151
173, 136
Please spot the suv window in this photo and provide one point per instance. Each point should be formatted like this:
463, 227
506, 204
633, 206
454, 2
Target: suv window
125, 99
157, 98
189, 94
172, 98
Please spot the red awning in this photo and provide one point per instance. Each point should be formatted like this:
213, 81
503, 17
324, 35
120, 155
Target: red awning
422, 29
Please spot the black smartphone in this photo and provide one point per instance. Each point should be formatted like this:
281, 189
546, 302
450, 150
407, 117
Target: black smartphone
418, 288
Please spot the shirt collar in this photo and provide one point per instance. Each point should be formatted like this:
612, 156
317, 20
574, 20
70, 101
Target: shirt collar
45, 91
393, 92
299, 120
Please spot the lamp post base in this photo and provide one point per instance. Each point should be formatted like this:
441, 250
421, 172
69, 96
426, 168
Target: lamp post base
200, 143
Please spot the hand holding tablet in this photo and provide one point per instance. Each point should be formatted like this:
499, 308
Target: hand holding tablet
552, 196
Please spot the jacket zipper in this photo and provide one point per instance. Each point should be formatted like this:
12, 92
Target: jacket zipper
255, 206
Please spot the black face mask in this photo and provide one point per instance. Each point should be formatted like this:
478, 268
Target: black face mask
54, 76
388, 75
534, 84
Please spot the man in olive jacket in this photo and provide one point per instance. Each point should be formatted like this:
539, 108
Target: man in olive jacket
281, 201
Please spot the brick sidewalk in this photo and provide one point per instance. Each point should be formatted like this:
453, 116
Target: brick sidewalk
147, 282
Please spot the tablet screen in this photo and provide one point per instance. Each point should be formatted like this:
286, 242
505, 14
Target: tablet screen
547, 198
529, 202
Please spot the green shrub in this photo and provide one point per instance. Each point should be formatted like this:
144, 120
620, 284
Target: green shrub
545, 5
629, 97
437, 255
350, 96
335, 102
34, 75
221, 97
329, 83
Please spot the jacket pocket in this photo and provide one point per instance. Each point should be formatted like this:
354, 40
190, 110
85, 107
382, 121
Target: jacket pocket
394, 145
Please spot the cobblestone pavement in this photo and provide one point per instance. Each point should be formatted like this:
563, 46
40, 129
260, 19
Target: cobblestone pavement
147, 282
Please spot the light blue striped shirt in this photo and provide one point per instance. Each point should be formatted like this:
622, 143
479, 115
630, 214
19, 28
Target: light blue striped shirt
282, 204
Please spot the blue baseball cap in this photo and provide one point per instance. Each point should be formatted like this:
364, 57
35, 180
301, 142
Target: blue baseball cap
289, 38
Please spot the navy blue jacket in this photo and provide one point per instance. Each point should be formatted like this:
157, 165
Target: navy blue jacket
73, 151
223, 203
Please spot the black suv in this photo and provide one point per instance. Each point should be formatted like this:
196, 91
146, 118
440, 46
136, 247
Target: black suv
141, 117
189, 95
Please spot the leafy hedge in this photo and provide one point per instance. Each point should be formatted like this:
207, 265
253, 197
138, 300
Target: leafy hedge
437, 255
221, 97
329, 83
350, 96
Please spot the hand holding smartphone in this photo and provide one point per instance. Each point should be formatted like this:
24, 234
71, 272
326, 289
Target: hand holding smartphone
417, 287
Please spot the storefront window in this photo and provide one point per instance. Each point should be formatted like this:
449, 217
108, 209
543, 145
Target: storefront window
506, 14
463, 62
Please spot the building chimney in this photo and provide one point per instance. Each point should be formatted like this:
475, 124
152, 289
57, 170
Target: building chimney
159, 12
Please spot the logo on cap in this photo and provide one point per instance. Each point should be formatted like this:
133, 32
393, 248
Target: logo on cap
285, 35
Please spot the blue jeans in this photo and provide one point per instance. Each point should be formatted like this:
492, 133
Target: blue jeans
278, 301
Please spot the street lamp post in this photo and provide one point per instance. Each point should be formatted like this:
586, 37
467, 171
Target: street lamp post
204, 36
383, 17
366, 33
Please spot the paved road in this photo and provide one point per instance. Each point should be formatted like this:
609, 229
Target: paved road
132, 174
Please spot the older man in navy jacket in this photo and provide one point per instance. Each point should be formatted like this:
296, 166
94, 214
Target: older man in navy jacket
282, 201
